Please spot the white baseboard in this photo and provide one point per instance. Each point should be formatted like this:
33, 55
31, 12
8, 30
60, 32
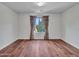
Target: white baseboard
72, 44
7, 44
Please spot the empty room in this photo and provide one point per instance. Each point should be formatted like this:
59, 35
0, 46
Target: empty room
39, 29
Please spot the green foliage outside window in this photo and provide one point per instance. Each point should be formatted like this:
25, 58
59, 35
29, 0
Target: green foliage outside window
40, 27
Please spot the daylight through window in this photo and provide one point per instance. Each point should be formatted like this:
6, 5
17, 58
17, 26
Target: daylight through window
39, 24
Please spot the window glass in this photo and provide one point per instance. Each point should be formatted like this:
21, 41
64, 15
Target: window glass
39, 25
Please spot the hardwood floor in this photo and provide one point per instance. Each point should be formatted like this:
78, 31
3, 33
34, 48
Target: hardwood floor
39, 48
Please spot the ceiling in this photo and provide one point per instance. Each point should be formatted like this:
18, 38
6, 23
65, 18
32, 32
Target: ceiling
31, 7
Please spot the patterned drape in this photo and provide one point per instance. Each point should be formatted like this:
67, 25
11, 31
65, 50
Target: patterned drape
32, 25
46, 21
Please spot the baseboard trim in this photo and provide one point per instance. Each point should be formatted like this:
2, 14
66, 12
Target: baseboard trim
8, 44
39, 39
70, 44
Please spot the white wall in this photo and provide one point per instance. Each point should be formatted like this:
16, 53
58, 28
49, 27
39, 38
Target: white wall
8, 28
24, 26
71, 25
55, 31
55, 26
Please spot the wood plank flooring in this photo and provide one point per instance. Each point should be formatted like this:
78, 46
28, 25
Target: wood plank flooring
39, 48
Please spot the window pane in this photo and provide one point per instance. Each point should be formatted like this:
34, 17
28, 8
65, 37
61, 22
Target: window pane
39, 25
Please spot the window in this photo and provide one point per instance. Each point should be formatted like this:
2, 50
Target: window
39, 24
